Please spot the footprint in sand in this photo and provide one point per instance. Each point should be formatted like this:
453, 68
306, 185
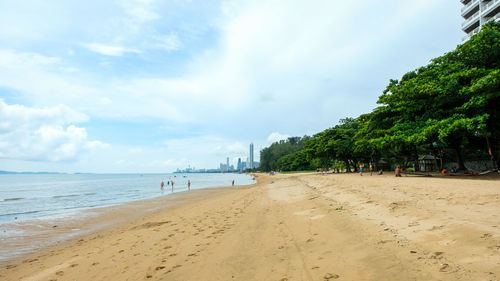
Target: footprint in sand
329, 276
436, 227
444, 267
415, 223
495, 247
60, 273
159, 268
486, 235
384, 241
436, 255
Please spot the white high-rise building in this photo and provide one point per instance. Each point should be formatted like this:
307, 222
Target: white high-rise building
250, 165
477, 13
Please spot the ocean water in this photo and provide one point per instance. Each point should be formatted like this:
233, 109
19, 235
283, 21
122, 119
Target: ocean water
38, 211
38, 196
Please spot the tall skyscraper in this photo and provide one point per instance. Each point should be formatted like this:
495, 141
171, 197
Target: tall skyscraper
477, 13
250, 165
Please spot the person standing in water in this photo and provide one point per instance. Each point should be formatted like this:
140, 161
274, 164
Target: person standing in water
189, 185
162, 185
233, 183
172, 186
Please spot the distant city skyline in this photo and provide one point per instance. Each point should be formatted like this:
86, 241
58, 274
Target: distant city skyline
240, 166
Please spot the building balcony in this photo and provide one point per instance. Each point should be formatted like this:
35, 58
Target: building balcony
468, 7
488, 7
470, 21
496, 17
469, 35
488, 4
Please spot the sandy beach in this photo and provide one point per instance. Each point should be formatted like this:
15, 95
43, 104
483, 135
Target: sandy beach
290, 227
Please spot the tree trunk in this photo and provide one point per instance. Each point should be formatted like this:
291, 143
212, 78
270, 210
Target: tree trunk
347, 166
416, 165
355, 166
460, 158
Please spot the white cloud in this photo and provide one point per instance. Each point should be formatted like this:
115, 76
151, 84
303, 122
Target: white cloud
232, 148
263, 66
27, 59
42, 134
274, 137
42, 80
109, 50
137, 14
272, 62
168, 42
140, 10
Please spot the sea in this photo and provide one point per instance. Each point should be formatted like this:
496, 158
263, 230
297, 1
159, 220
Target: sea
40, 199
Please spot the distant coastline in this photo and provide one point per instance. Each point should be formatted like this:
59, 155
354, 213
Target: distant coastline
31, 173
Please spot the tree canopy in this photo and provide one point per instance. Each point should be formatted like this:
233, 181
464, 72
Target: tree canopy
448, 108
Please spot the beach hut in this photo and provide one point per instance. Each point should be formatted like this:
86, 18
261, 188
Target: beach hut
428, 163
383, 165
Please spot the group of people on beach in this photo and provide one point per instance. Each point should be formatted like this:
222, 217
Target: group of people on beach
397, 171
362, 167
172, 183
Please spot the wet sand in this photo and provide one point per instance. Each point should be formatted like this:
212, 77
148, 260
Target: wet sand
301, 227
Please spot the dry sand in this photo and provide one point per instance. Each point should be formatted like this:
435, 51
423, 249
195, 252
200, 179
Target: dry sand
301, 227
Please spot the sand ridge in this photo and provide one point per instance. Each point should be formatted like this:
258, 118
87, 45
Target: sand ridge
297, 227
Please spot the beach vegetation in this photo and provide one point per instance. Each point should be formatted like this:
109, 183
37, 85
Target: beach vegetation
449, 109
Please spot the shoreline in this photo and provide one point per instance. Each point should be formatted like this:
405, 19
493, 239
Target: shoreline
294, 227
43, 235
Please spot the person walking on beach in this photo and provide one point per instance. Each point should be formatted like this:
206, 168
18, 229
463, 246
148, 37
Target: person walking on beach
162, 185
173, 186
189, 185
361, 166
371, 169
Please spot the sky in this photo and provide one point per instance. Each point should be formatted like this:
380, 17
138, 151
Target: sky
139, 86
